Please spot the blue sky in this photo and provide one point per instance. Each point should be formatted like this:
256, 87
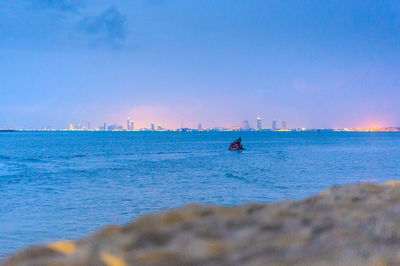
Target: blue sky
311, 63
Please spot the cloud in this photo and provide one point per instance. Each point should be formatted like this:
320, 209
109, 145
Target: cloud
109, 26
60, 5
61, 24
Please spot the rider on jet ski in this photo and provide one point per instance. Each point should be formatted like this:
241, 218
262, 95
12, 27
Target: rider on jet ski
236, 145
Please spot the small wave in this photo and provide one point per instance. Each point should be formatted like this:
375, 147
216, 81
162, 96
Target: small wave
72, 156
165, 152
230, 175
4, 157
31, 160
78, 156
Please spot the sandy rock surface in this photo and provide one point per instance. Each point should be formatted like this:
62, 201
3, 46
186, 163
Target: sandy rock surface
350, 225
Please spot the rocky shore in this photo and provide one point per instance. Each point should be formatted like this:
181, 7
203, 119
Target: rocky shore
350, 225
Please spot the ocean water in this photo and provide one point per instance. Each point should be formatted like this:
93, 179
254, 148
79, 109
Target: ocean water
65, 185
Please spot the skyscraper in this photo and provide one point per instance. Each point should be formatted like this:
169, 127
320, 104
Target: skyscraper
283, 124
245, 125
152, 126
274, 125
110, 128
129, 124
258, 123
200, 128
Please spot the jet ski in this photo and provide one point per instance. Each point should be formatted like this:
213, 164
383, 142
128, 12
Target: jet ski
236, 145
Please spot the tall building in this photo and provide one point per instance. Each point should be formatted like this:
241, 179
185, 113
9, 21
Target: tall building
88, 125
283, 124
274, 125
105, 127
152, 126
111, 128
114, 127
129, 124
245, 125
200, 128
258, 123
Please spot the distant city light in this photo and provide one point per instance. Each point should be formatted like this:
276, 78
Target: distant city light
245, 126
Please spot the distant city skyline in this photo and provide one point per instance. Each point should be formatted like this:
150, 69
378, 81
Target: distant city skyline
315, 64
245, 126
130, 125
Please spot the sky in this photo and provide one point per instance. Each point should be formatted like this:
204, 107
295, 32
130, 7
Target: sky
314, 64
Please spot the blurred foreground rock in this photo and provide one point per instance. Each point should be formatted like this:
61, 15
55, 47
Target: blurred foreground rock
350, 225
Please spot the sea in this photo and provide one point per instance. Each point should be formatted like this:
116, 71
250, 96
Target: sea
66, 185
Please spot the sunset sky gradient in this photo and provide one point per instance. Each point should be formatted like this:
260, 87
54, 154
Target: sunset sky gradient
216, 62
